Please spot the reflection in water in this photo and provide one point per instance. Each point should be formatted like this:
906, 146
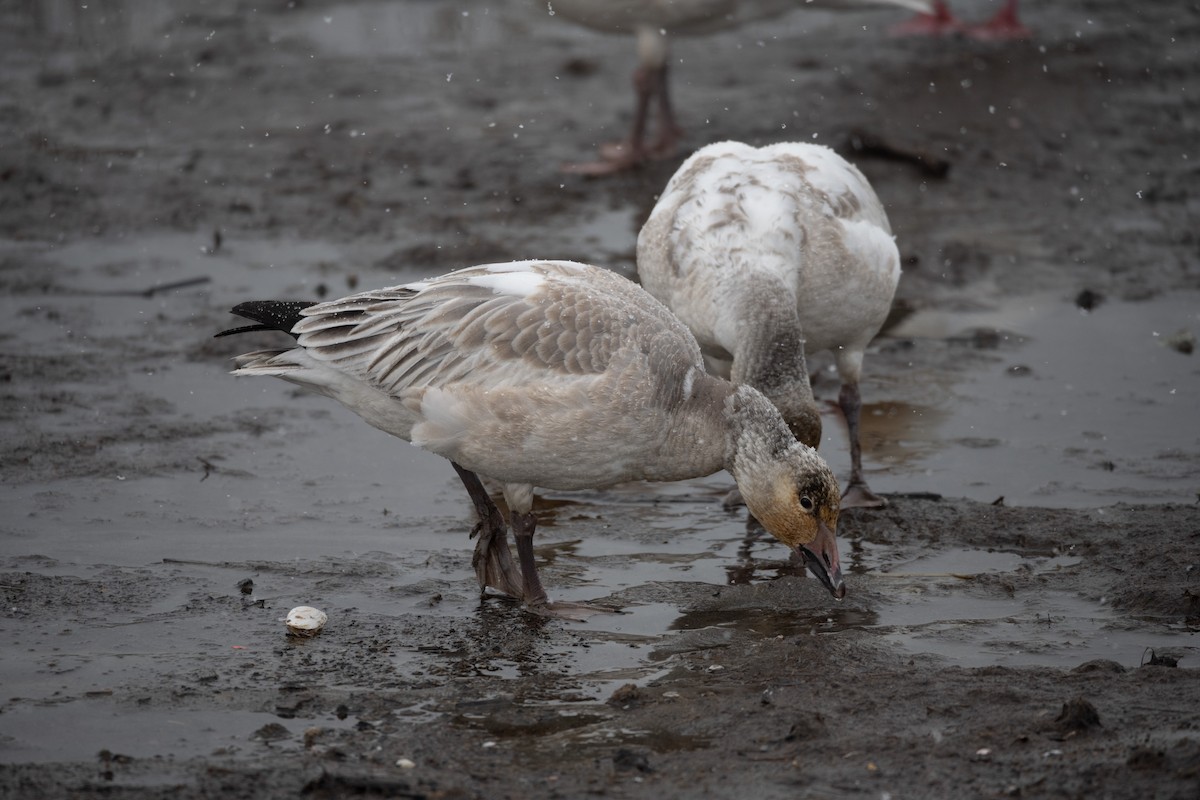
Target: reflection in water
1071, 409
1060, 630
769, 624
552, 728
502, 640
901, 434
748, 569
930, 606
502, 717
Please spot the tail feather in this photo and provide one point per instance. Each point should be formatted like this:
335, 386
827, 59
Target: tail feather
271, 315
264, 362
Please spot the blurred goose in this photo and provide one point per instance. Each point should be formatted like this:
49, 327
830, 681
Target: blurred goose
654, 22
771, 254
940, 21
551, 374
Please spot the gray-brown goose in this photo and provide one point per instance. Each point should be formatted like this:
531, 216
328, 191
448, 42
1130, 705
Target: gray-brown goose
549, 374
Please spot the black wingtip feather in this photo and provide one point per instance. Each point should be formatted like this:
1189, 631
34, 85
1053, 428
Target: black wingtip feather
271, 315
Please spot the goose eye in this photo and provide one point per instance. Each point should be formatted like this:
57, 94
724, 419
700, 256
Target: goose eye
806, 503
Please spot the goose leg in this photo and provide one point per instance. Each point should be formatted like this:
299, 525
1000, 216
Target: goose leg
669, 132
492, 560
620, 156
524, 523
523, 528
648, 83
645, 84
857, 494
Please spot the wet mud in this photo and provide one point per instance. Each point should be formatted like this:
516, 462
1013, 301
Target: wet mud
1021, 620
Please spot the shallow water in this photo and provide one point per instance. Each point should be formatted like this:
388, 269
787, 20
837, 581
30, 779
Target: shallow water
933, 610
1077, 409
64, 680
1100, 412
79, 730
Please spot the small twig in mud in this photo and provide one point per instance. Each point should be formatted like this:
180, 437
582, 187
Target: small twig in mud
934, 496
151, 291
868, 144
169, 287
193, 563
959, 575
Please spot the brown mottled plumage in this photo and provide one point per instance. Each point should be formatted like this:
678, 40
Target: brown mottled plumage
770, 254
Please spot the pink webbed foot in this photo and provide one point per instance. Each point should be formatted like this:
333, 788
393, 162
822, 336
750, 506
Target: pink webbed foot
1005, 26
859, 495
940, 23
615, 157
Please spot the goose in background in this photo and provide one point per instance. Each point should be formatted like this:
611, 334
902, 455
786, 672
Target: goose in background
654, 23
770, 255
549, 374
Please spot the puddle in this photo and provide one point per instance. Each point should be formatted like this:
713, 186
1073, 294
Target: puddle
243, 486
1074, 410
1057, 630
931, 610
772, 624
960, 562
548, 729
79, 731
602, 738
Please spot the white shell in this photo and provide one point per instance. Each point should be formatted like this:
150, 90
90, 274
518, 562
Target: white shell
306, 620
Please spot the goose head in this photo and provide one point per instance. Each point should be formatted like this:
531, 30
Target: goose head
787, 486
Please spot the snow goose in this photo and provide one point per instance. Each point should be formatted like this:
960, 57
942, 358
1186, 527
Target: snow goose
551, 374
654, 22
768, 254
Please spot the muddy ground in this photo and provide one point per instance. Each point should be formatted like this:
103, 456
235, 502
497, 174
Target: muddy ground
1028, 631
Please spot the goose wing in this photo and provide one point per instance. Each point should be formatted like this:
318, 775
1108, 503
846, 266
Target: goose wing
494, 326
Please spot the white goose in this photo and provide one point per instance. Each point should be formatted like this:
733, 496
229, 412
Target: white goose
654, 23
769, 254
551, 374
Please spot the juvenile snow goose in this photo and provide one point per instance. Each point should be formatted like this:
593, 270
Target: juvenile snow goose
654, 23
551, 374
768, 254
